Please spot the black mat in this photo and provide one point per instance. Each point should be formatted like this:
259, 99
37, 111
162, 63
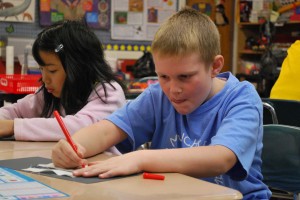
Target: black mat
23, 163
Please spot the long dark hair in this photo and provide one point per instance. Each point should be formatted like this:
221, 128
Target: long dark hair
82, 57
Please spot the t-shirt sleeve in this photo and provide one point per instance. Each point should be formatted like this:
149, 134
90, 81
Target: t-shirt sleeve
136, 119
243, 125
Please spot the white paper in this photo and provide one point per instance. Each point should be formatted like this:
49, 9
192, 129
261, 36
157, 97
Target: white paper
50, 168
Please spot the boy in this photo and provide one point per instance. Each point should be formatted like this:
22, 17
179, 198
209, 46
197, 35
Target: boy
199, 123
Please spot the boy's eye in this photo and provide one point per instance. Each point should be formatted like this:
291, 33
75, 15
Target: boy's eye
163, 76
52, 71
185, 76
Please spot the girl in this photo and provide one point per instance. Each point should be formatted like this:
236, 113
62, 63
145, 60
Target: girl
76, 81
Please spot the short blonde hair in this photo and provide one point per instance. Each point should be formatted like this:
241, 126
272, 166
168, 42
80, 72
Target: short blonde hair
188, 31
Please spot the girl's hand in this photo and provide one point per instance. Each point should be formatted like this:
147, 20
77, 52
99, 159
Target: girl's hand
126, 164
65, 157
6, 128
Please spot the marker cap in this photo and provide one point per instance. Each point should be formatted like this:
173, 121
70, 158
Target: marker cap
153, 176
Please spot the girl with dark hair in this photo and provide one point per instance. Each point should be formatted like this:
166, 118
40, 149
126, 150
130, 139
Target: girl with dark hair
76, 81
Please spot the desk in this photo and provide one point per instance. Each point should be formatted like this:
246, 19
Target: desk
175, 186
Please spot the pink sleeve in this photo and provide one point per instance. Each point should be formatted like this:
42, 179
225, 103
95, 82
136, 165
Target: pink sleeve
28, 107
42, 129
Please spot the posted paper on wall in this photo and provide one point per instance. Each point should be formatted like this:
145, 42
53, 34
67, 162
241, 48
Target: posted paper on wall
17, 11
139, 19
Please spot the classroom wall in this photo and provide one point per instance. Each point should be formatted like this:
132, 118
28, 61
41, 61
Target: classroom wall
23, 31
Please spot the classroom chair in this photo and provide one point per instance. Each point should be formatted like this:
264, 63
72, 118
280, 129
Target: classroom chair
281, 156
281, 160
287, 112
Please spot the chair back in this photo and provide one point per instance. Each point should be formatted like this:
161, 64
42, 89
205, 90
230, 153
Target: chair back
287, 111
281, 157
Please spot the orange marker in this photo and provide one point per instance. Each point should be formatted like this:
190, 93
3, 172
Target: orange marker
66, 132
153, 176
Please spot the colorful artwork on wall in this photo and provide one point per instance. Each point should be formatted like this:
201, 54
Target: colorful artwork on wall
17, 10
95, 12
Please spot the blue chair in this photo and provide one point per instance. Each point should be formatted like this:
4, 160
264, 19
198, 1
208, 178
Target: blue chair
281, 155
281, 159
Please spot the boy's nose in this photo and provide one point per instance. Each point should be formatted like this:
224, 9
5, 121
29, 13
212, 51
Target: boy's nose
174, 87
176, 90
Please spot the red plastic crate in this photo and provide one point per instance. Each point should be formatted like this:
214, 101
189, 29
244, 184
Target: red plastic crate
19, 84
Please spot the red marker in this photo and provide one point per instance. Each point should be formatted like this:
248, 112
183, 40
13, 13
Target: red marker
153, 176
66, 132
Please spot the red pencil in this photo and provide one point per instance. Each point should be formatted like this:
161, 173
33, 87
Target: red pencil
65, 131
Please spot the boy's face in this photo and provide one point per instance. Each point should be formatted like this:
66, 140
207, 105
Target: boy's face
185, 80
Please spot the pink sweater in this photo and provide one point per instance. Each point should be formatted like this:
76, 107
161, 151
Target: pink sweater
29, 126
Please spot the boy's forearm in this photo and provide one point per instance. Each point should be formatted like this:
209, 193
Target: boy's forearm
198, 162
99, 137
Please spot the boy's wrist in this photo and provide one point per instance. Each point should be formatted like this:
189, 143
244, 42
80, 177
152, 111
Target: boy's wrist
142, 159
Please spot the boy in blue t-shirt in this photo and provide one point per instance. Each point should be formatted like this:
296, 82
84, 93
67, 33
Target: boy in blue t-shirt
200, 123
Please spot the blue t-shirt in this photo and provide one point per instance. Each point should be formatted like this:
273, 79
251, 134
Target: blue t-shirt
232, 118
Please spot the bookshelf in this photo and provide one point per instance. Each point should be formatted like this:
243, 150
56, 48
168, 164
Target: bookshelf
251, 44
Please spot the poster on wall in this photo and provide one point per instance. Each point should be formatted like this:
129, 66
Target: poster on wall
204, 6
215, 9
95, 12
17, 11
139, 19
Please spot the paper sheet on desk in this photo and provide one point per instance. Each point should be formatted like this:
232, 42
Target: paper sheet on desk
50, 168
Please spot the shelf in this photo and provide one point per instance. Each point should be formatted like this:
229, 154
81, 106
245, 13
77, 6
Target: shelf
249, 38
276, 23
248, 24
248, 51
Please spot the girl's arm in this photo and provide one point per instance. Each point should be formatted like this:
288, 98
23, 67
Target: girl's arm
6, 128
27, 107
28, 125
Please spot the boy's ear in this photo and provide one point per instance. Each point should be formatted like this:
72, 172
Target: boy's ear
217, 65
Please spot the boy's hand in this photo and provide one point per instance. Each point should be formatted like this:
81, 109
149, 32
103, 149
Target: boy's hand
64, 156
126, 164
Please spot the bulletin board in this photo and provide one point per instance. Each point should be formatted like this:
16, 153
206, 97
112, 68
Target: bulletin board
204, 6
139, 19
96, 12
17, 11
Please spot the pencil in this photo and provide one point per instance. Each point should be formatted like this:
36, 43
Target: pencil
65, 130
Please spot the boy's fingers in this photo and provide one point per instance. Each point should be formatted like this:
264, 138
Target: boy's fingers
93, 163
80, 151
64, 156
84, 163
